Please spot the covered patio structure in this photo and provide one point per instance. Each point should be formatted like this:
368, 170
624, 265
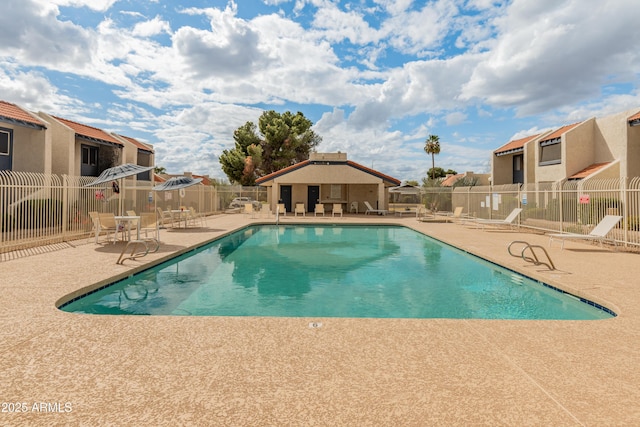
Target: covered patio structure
328, 178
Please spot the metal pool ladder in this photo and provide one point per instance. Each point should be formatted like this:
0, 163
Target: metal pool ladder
133, 244
533, 258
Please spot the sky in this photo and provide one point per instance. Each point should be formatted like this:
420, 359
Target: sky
376, 77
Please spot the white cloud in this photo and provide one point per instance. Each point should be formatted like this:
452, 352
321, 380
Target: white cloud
98, 5
151, 28
550, 54
455, 118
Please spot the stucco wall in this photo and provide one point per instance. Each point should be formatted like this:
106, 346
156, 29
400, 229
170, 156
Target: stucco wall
578, 149
62, 146
31, 149
502, 167
633, 152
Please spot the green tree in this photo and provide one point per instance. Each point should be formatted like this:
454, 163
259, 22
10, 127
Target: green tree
159, 170
437, 172
432, 146
279, 140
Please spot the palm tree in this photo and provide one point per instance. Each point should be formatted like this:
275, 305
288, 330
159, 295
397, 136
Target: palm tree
432, 146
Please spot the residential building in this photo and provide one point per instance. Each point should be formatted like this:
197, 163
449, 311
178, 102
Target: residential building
44, 143
25, 143
603, 148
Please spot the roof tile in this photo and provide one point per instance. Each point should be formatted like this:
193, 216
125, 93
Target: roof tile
14, 112
89, 131
137, 143
515, 144
588, 170
558, 133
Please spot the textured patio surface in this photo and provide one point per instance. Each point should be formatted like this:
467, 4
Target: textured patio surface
72, 369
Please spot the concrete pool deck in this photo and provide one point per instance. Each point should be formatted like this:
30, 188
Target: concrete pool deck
73, 369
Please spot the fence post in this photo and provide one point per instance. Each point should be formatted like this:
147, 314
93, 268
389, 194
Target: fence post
65, 206
625, 212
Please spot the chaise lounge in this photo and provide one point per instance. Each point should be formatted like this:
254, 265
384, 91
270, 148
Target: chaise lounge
598, 233
371, 210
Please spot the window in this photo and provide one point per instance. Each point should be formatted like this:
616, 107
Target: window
89, 155
336, 191
550, 152
5, 143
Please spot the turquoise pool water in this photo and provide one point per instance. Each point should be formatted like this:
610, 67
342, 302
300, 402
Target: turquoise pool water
333, 271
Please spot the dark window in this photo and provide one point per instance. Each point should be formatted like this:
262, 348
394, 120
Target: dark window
550, 152
5, 143
89, 155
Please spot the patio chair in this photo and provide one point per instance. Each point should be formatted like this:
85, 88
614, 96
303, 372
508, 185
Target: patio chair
149, 223
598, 233
265, 210
281, 209
354, 207
133, 213
195, 217
165, 217
299, 210
337, 209
95, 228
371, 210
319, 209
248, 209
507, 221
107, 223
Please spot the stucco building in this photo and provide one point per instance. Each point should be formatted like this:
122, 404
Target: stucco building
607, 147
328, 178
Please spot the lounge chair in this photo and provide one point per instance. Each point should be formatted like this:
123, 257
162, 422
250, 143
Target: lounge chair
507, 221
354, 207
319, 209
371, 210
281, 209
458, 215
299, 210
598, 233
337, 209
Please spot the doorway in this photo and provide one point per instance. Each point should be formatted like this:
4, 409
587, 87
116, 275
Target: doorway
313, 197
285, 197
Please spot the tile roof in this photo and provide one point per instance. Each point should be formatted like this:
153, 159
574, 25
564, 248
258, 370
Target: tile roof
13, 112
304, 163
286, 170
137, 143
588, 170
450, 180
205, 179
558, 133
89, 131
515, 145
635, 117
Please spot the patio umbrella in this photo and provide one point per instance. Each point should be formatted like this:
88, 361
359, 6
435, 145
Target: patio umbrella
175, 183
117, 173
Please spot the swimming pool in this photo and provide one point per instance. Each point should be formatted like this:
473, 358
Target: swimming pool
333, 271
